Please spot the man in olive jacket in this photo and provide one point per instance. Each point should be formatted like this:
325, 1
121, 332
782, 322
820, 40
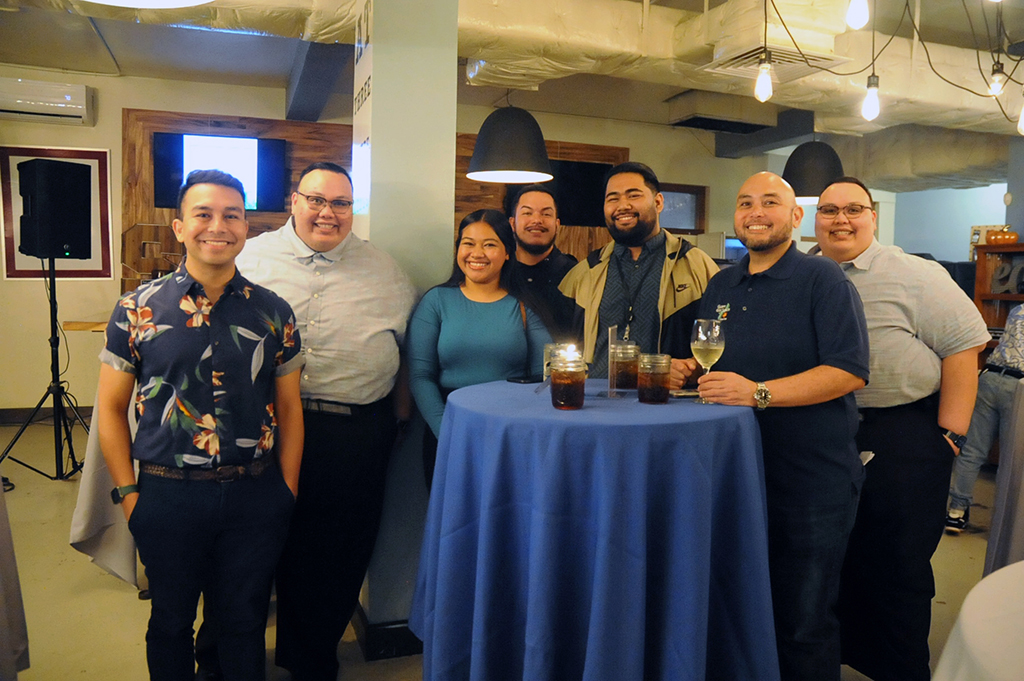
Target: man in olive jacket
647, 281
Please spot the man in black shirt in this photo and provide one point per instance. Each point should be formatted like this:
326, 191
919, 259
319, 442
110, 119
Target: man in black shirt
541, 265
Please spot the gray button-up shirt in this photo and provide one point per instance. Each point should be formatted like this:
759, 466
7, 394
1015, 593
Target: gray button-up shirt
351, 306
916, 316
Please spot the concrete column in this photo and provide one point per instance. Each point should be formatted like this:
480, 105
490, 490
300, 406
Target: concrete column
403, 143
1015, 185
403, 157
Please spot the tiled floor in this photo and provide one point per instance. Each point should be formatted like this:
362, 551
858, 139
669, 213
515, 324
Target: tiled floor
85, 624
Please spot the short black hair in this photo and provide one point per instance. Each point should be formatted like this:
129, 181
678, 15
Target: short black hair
542, 188
644, 171
324, 165
218, 177
496, 220
852, 180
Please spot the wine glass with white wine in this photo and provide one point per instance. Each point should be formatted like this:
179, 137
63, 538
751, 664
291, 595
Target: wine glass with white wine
707, 344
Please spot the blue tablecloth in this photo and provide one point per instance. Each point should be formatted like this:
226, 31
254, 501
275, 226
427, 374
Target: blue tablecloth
622, 541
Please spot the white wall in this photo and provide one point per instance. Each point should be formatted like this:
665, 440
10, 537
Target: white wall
939, 221
23, 305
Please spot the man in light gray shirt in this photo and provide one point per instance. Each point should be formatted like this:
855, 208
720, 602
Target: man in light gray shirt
925, 335
351, 304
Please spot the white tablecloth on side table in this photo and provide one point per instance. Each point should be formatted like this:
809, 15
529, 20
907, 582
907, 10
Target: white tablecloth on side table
1006, 538
985, 643
13, 633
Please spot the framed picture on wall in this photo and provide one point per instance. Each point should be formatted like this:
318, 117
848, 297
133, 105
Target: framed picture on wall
18, 265
686, 208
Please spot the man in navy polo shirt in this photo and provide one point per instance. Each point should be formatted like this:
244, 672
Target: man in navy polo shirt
796, 348
216, 360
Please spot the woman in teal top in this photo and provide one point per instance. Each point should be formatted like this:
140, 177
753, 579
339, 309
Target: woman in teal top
472, 328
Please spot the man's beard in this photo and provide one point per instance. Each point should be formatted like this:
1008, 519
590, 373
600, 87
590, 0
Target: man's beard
534, 249
633, 237
777, 239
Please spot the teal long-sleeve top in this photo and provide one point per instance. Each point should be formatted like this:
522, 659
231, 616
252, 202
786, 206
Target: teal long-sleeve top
454, 342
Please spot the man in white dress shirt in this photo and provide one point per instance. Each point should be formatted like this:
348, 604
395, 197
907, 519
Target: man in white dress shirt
924, 334
351, 303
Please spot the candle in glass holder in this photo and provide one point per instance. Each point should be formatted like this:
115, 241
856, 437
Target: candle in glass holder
568, 380
652, 378
552, 350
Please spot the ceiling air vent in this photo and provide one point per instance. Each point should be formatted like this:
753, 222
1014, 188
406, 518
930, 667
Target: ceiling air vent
787, 64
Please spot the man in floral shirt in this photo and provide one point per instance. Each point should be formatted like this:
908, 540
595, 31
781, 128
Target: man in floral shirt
216, 362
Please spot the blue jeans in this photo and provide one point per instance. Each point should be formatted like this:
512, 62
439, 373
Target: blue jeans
222, 538
806, 547
992, 412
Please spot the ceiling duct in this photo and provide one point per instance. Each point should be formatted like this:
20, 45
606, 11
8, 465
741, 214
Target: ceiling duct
720, 112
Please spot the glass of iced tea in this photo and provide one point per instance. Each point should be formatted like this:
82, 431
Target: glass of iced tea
568, 381
622, 366
652, 378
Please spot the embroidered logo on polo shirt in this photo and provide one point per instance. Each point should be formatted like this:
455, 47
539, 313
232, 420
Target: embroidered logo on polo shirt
723, 312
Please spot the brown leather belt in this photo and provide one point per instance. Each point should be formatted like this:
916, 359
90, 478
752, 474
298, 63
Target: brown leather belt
220, 474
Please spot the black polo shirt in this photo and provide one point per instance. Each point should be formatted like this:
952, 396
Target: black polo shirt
801, 313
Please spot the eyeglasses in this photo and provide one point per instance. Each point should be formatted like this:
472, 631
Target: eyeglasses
850, 210
318, 203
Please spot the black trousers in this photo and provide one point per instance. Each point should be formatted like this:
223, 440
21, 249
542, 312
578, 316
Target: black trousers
887, 585
333, 530
221, 538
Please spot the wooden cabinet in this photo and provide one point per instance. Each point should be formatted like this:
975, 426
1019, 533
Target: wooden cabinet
995, 307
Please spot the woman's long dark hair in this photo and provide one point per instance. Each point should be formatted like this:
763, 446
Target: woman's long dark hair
497, 221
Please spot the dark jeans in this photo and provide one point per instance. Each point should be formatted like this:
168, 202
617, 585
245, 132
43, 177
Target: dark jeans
226, 536
805, 554
333, 530
885, 601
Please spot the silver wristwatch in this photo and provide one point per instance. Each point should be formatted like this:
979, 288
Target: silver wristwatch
762, 396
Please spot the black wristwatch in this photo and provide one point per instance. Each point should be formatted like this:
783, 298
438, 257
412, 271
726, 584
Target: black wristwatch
118, 494
956, 438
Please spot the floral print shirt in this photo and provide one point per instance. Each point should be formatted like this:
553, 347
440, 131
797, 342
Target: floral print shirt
204, 373
1010, 351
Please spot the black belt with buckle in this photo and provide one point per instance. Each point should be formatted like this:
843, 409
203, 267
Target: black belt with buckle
1004, 371
327, 407
220, 474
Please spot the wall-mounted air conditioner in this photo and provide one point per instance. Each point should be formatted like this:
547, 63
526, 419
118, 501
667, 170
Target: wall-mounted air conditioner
44, 102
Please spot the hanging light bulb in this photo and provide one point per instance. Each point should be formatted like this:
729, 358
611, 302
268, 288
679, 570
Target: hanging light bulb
857, 14
995, 87
870, 108
763, 85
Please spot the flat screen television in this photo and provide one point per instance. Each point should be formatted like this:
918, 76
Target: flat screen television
578, 187
258, 163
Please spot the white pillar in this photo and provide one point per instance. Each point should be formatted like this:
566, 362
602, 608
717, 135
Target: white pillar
403, 158
403, 143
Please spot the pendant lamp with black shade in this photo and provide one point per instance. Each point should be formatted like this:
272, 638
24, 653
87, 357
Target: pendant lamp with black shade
811, 167
510, 149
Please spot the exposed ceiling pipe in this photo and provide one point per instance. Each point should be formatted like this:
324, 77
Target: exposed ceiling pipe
522, 43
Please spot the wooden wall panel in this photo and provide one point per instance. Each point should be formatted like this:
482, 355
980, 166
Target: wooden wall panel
307, 143
470, 195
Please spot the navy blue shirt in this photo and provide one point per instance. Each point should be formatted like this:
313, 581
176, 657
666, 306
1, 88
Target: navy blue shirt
205, 373
636, 284
801, 313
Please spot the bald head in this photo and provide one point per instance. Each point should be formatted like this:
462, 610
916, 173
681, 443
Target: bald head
766, 213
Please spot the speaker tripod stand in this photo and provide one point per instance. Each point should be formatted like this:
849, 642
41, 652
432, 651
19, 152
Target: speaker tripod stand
62, 423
